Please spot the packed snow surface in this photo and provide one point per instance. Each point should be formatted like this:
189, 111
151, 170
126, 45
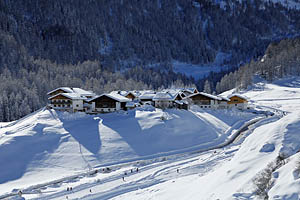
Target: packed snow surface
48, 145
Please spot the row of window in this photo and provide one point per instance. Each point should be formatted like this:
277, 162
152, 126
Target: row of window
205, 106
67, 105
61, 101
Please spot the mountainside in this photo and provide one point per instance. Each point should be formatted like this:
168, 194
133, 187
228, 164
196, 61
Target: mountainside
120, 33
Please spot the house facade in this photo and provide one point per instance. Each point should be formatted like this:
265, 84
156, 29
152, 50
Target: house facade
108, 103
237, 101
67, 102
204, 100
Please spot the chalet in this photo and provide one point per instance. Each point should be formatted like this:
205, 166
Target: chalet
147, 97
169, 99
204, 100
237, 101
108, 103
163, 100
71, 102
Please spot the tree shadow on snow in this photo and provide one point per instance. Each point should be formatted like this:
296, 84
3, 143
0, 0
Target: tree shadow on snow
18, 154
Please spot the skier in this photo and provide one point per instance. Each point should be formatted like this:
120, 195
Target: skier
90, 190
137, 169
177, 170
123, 178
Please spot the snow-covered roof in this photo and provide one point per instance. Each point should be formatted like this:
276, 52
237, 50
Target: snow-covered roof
163, 96
123, 93
73, 90
205, 94
73, 96
147, 95
224, 98
116, 97
192, 90
65, 89
238, 95
83, 92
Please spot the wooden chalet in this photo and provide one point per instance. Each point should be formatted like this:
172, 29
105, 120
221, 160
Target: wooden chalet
71, 102
169, 99
237, 101
204, 100
108, 103
147, 97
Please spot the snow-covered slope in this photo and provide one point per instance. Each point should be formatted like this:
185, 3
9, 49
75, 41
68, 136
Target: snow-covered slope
48, 145
233, 179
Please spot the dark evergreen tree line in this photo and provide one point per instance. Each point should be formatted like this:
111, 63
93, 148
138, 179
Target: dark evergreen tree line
281, 59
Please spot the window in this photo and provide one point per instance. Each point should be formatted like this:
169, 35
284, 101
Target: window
235, 104
108, 109
54, 105
235, 100
77, 105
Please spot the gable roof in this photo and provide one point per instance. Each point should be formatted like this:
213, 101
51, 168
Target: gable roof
116, 97
83, 92
238, 95
224, 98
65, 89
164, 96
147, 95
73, 96
123, 93
205, 94
73, 90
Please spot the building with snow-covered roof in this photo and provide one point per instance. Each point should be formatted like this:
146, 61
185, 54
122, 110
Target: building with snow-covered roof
204, 100
60, 90
128, 94
146, 97
169, 99
237, 101
109, 103
79, 91
71, 102
223, 102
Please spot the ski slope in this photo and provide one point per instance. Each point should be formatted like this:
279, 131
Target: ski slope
49, 145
